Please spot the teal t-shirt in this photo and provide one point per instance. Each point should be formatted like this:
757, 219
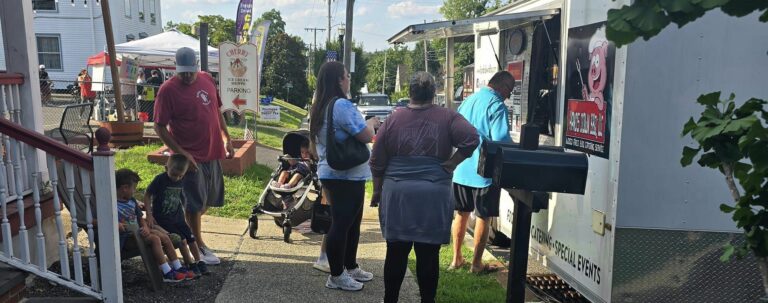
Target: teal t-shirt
486, 111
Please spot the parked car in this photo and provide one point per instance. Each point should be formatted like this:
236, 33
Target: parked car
401, 103
374, 105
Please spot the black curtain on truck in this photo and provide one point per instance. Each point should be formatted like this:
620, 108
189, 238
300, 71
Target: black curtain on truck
544, 72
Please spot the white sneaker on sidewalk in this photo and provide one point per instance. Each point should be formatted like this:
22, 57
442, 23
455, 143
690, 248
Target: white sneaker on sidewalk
322, 265
343, 282
360, 275
208, 256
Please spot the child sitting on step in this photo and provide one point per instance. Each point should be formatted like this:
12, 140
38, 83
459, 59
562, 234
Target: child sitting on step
164, 201
130, 218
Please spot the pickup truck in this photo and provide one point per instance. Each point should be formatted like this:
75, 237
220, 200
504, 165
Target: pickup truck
374, 105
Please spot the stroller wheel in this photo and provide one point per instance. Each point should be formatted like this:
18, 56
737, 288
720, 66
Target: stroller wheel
287, 233
279, 222
253, 225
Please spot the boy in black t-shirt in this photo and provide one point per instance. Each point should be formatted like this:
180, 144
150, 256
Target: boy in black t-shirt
165, 207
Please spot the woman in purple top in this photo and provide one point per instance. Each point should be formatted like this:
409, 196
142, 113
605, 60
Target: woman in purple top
412, 164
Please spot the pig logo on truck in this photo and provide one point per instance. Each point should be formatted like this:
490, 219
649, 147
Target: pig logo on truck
590, 64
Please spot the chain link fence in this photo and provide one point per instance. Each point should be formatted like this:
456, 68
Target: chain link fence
56, 95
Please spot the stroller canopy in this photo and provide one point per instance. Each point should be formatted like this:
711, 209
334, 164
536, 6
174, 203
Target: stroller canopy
292, 142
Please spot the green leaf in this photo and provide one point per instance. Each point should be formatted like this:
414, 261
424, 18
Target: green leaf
649, 20
689, 126
740, 170
727, 209
710, 4
703, 133
764, 17
741, 124
729, 249
674, 6
710, 99
748, 108
742, 8
709, 160
758, 154
688, 155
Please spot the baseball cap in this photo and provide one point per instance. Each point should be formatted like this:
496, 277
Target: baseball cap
42, 66
186, 60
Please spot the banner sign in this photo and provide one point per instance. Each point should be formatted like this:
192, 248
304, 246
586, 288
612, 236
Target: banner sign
239, 77
589, 90
515, 103
243, 22
270, 113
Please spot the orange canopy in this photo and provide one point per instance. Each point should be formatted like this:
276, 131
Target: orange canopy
101, 58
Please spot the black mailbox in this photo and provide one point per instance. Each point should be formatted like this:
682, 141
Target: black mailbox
488, 151
541, 170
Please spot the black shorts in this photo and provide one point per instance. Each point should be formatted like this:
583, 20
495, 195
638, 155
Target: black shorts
483, 201
179, 228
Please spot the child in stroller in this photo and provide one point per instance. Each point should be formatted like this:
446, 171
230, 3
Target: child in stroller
294, 168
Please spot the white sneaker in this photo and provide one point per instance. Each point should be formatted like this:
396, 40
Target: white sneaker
322, 265
343, 282
360, 275
208, 256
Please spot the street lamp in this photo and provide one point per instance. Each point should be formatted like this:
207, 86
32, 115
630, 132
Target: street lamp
288, 87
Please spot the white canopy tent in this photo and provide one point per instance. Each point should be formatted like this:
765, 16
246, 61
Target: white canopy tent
160, 50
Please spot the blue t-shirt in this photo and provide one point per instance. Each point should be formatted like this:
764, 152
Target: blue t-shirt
347, 122
486, 111
167, 199
128, 213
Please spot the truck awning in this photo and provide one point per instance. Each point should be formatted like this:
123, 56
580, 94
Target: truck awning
466, 27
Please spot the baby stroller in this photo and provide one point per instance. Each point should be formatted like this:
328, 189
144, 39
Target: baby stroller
300, 197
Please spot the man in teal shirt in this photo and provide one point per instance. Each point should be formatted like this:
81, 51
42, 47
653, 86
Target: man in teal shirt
486, 111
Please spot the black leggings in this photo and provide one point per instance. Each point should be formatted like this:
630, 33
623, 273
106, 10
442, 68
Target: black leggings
427, 269
346, 212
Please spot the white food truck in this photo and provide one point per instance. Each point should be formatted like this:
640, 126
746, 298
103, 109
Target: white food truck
647, 229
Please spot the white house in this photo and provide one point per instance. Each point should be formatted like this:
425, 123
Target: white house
69, 31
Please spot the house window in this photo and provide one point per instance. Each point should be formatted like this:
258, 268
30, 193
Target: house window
129, 37
44, 5
141, 10
143, 35
152, 11
127, 6
49, 51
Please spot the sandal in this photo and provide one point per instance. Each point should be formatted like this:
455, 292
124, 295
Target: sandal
487, 269
458, 266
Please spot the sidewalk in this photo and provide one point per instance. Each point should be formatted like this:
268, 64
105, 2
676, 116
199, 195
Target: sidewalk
270, 270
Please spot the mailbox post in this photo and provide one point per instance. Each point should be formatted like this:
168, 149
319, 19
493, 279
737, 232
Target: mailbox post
529, 174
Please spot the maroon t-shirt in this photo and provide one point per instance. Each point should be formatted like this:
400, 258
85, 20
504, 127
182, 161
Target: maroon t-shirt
192, 115
432, 132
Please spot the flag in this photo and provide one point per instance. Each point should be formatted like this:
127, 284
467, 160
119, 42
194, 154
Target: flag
331, 56
243, 22
258, 36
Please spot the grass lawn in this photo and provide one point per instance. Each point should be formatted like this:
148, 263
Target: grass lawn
240, 195
271, 133
461, 285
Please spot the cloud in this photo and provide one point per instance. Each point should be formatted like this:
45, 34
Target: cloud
361, 11
297, 16
370, 27
280, 3
191, 16
409, 8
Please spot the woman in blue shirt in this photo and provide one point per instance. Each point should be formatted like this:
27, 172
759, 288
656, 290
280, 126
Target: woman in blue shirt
345, 187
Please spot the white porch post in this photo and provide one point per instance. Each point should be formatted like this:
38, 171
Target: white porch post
21, 57
106, 212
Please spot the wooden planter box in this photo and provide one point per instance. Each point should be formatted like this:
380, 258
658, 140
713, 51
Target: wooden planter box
125, 134
245, 156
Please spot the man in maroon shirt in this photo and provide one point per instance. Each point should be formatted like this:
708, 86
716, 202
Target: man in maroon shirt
188, 120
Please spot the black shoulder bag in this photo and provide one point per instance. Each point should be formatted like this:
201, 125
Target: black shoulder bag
343, 155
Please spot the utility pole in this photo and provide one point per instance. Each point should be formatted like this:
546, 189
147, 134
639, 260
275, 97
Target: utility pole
348, 36
315, 30
327, 42
426, 65
383, 79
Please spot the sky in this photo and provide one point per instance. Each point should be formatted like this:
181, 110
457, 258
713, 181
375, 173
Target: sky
374, 20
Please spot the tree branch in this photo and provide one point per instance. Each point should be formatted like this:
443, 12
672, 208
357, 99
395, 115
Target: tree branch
728, 171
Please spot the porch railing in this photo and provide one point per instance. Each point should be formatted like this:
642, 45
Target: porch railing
70, 174
10, 109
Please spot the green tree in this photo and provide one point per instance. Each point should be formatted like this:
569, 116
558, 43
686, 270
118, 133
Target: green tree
285, 62
463, 9
278, 25
731, 139
220, 29
361, 64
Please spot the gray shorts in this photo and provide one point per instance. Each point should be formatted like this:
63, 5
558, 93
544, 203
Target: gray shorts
205, 187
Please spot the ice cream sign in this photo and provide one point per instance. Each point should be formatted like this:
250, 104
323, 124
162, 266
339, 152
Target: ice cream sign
588, 90
239, 77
